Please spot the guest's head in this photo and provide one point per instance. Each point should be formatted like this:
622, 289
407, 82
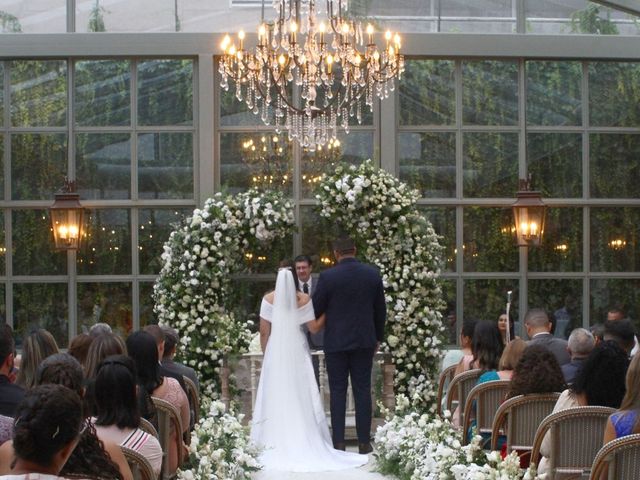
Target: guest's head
344, 247
537, 321
115, 390
47, 427
503, 321
171, 340
486, 345
615, 313
466, 334
597, 330
100, 328
303, 266
536, 372
7, 349
621, 332
512, 354
158, 335
143, 350
35, 348
602, 375
79, 347
580, 343
61, 369
101, 347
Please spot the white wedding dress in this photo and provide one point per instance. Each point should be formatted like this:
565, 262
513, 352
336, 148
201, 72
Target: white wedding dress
289, 422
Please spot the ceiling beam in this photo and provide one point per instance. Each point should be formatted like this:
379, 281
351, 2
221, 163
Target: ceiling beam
628, 6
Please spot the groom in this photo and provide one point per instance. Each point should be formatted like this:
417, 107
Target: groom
352, 297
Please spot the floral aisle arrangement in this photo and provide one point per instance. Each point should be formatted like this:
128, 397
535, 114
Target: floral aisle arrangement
380, 212
418, 446
220, 448
194, 285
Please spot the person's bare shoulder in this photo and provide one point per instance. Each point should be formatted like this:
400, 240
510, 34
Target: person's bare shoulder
303, 299
269, 297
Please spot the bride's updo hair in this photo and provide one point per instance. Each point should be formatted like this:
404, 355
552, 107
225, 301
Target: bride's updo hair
289, 265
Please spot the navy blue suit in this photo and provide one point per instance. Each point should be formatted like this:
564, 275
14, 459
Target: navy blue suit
351, 295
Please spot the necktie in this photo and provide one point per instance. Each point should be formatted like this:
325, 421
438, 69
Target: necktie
305, 288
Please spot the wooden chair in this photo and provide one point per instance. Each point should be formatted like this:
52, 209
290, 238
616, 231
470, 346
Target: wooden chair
522, 415
443, 383
140, 466
461, 385
487, 397
147, 426
168, 418
620, 456
194, 400
575, 438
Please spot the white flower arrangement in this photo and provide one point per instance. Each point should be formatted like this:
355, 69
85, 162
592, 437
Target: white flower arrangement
380, 212
192, 291
417, 446
220, 448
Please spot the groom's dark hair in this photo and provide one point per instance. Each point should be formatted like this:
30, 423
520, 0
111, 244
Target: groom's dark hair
344, 245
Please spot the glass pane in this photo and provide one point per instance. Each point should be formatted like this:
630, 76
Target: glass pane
489, 244
443, 220
102, 92
427, 93
486, 299
155, 226
105, 302
38, 165
490, 92
34, 16
165, 165
575, 16
38, 93
147, 317
3, 248
554, 93
614, 94
622, 293
246, 298
561, 248
262, 160
354, 148
234, 112
165, 92
33, 248
3, 303
41, 305
1, 92
449, 318
490, 164
560, 297
103, 165
106, 246
262, 260
317, 235
555, 162
615, 242
133, 16
614, 165
428, 162
2, 139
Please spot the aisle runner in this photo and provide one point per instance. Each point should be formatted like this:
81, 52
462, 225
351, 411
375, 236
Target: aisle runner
362, 473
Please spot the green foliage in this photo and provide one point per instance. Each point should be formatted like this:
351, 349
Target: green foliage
589, 20
9, 23
96, 18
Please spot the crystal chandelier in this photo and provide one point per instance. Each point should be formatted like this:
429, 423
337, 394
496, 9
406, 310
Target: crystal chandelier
311, 70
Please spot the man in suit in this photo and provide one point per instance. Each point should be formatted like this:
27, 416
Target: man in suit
10, 393
536, 321
303, 266
351, 295
580, 345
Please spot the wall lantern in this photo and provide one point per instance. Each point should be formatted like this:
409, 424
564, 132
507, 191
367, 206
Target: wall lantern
66, 217
528, 213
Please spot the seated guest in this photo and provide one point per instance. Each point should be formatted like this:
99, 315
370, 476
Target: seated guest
171, 341
91, 458
626, 421
99, 328
536, 372
538, 326
118, 416
143, 350
600, 382
102, 346
615, 314
621, 332
502, 326
580, 344
453, 357
35, 348
508, 361
48, 426
79, 347
597, 330
10, 394
158, 335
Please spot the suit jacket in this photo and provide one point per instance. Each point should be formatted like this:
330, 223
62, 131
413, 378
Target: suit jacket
10, 396
557, 346
180, 369
352, 297
316, 340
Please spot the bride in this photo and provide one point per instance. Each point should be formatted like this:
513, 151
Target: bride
289, 422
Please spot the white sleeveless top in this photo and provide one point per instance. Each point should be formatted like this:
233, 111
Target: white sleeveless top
305, 312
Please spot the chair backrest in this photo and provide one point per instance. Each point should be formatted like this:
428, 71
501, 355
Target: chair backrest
462, 385
488, 397
140, 466
522, 414
168, 419
575, 438
147, 426
621, 456
194, 400
443, 383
